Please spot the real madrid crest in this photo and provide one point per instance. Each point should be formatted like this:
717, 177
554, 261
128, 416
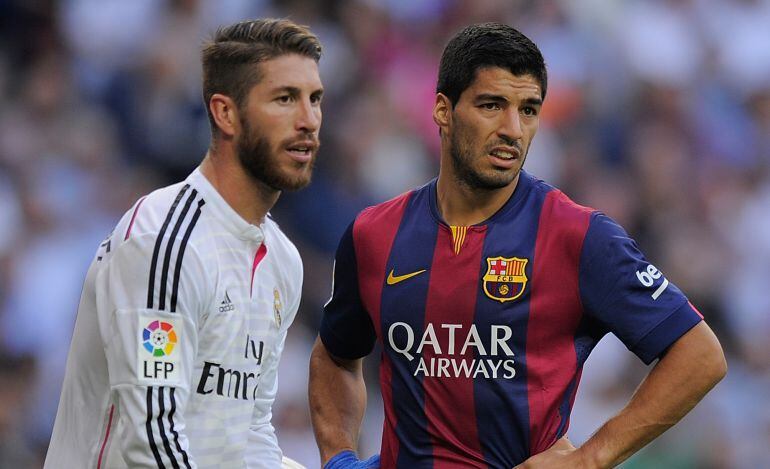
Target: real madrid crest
505, 278
277, 307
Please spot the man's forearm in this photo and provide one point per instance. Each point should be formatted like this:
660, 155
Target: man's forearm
337, 401
693, 365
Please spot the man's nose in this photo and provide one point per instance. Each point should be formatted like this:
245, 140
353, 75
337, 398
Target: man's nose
510, 127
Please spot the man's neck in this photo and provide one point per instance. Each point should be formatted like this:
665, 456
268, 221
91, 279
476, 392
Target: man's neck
249, 198
462, 205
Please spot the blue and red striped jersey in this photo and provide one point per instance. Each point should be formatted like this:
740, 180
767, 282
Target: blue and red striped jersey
485, 328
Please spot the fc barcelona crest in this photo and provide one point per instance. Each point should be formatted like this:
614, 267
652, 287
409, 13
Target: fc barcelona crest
505, 278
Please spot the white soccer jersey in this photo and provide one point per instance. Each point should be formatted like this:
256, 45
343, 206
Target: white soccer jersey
180, 327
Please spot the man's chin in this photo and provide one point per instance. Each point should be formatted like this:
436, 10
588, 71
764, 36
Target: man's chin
296, 184
287, 182
491, 180
280, 179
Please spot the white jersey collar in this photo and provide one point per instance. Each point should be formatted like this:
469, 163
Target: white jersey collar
227, 216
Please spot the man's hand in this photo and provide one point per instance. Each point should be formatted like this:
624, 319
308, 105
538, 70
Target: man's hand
349, 460
685, 373
561, 454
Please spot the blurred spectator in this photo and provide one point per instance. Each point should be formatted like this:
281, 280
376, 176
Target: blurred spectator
15, 374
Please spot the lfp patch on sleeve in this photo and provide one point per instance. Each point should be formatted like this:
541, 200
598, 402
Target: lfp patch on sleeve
158, 352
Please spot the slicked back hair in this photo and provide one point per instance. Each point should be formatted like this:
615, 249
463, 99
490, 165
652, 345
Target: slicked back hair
487, 45
231, 59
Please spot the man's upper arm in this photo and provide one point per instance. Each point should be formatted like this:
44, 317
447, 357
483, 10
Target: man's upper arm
628, 295
148, 317
346, 328
143, 320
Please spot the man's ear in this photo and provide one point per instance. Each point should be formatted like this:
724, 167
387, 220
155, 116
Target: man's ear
225, 114
442, 111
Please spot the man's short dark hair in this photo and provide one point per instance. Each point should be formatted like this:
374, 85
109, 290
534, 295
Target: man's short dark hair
231, 58
487, 45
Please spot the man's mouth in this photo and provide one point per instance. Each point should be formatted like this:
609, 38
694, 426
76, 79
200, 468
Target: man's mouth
302, 151
504, 154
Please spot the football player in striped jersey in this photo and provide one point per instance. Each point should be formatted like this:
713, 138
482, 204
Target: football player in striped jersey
487, 289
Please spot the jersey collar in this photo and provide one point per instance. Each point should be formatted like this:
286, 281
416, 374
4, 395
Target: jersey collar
522, 188
228, 218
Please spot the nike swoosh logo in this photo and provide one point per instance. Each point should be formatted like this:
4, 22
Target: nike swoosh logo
394, 279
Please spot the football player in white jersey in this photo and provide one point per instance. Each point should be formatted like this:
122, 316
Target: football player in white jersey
186, 305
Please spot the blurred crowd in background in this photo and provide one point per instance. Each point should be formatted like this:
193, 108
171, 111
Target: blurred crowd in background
658, 114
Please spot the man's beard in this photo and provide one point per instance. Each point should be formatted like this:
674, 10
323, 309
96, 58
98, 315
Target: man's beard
462, 162
260, 162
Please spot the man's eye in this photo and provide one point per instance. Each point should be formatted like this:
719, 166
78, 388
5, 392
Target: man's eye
529, 111
490, 106
285, 99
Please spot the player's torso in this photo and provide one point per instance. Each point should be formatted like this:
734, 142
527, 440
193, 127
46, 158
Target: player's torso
236, 335
458, 334
236, 329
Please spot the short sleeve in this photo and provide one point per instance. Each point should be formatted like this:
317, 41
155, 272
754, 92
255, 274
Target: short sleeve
628, 295
346, 328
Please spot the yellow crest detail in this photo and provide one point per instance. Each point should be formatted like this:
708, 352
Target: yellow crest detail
505, 278
277, 307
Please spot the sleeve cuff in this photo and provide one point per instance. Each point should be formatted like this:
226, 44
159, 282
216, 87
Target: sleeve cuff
349, 349
666, 333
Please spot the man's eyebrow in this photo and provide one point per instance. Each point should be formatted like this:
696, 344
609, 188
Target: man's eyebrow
502, 99
292, 90
492, 97
534, 101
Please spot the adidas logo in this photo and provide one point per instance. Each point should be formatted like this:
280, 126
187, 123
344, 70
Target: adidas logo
227, 305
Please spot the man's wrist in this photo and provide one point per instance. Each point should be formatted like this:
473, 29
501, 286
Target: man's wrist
348, 459
589, 457
328, 453
340, 459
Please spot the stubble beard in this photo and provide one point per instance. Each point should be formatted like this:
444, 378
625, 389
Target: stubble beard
261, 163
466, 174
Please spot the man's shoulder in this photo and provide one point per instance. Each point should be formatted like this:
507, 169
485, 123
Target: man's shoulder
161, 236
166, 217
559, 214
386, 213
563, 206
163, 207
556, 201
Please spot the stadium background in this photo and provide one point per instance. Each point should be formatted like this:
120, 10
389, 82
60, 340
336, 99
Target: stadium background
658, 113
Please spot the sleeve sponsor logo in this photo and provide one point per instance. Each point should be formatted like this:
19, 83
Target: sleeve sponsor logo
649, 277
157, 361
159, 338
